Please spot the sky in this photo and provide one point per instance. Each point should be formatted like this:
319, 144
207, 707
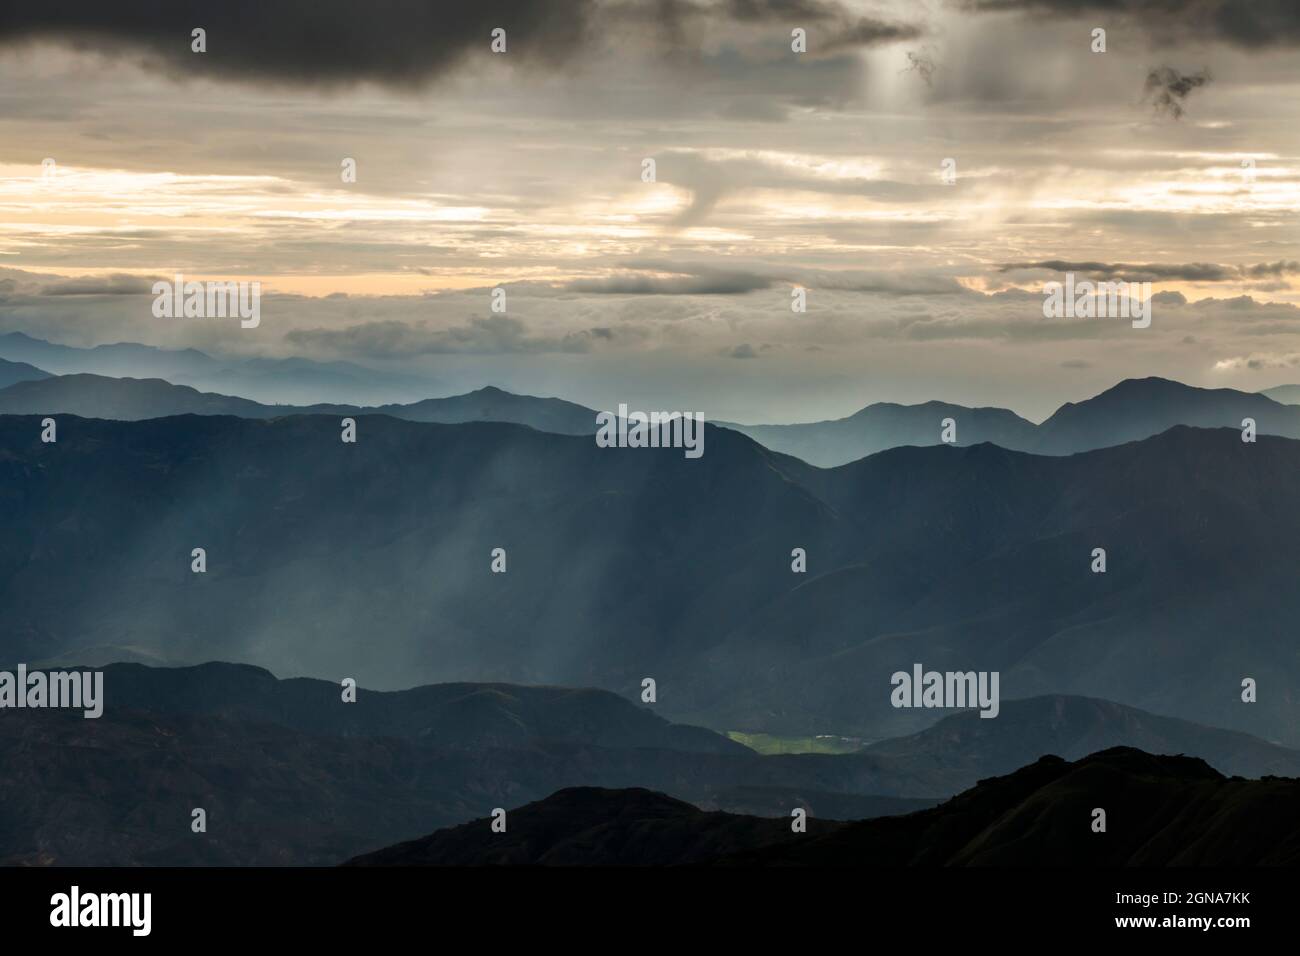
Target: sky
1172, 157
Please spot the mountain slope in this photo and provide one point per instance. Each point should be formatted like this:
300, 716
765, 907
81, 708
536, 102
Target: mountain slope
14, 372
449, 715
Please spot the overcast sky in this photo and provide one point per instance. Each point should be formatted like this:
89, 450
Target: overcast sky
774, 169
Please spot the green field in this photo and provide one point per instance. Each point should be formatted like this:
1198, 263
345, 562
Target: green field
775, 744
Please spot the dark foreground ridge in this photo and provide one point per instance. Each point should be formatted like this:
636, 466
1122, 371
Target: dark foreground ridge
1160, 811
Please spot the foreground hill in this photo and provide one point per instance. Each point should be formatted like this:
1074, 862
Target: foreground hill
627, 564
1160, 811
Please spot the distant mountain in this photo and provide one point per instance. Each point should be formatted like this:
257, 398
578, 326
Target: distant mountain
1139, 408
290, 380
491, 404
374, 561
12, 372
1286, 394
1130, 411
886, 425
131, 399
969, 747
1160, 811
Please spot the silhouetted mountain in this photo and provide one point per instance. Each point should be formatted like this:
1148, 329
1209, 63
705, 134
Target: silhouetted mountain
373, 560
1160, 811
12, 372
1139, 408
264, 380
586, 826
886, 425
131, 399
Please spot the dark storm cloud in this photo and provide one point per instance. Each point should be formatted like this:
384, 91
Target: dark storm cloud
1168, 89
396, 42
1252, 24
1161, 272
832, 27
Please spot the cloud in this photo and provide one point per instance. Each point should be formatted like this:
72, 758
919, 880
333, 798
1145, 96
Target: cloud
400, 43
117, 284
685, 279
1251, 24
325, 42
393, 338
1168, 89
706, 283
1258, 361
1162, 272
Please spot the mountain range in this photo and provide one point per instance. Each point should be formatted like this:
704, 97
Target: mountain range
133, 399
374, 560
1130, 411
